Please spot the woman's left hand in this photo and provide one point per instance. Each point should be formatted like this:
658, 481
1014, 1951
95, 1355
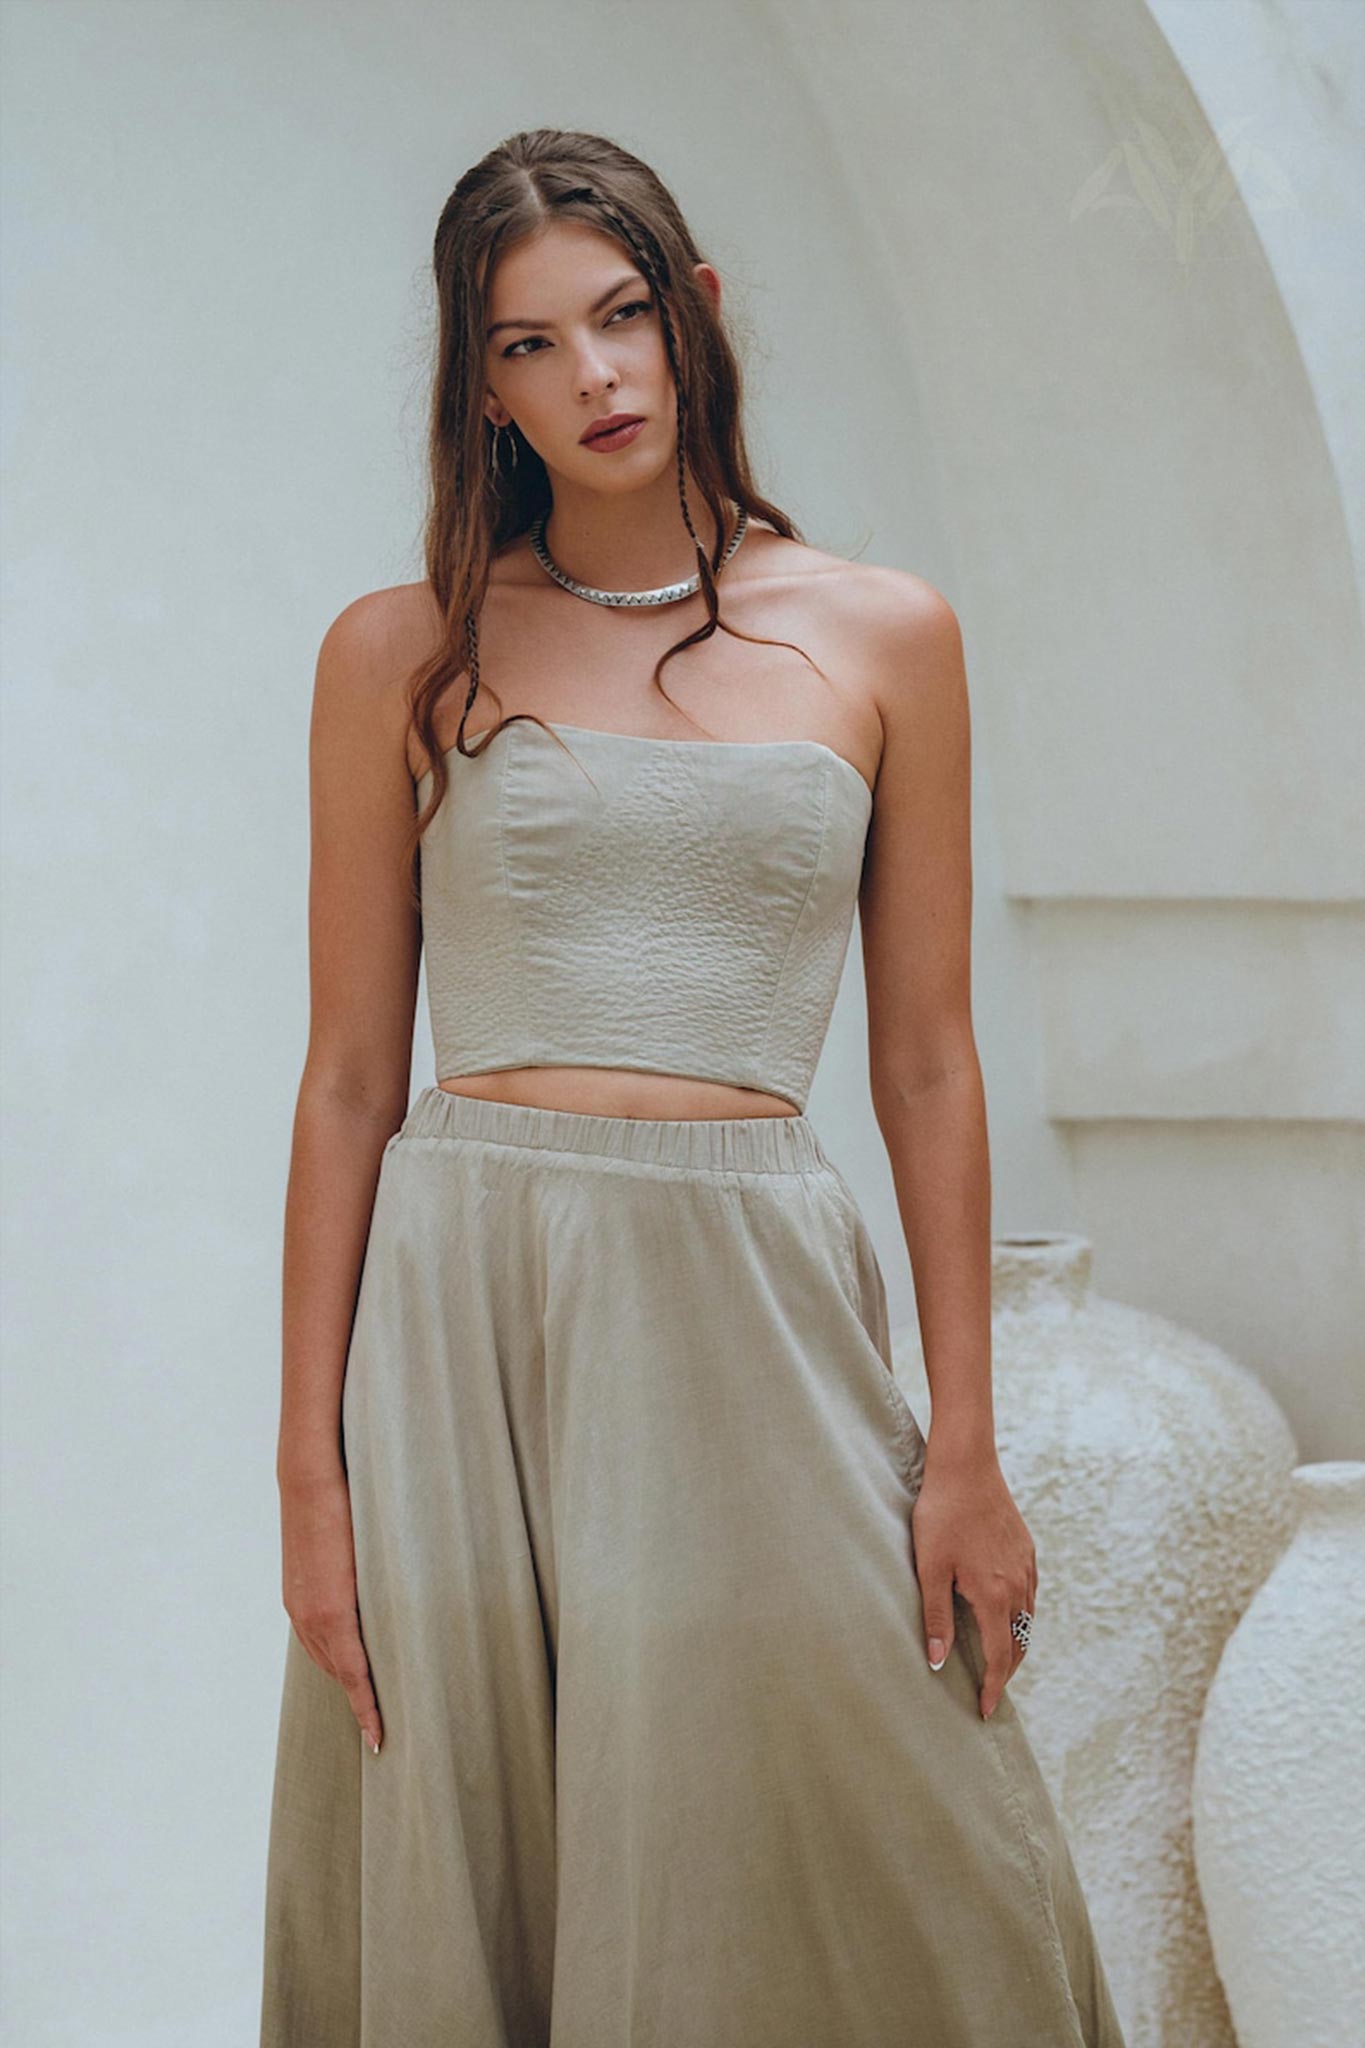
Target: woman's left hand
968, 1532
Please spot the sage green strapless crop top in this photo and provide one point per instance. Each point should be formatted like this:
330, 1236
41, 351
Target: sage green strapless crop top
687, 910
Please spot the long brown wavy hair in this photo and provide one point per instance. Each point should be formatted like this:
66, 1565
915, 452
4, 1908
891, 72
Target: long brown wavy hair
474, 509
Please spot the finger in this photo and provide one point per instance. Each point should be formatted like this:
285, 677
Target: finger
997, 1645
352, 1668
936, 1593
1032, 1596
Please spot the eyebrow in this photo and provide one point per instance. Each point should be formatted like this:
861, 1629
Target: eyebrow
632, 277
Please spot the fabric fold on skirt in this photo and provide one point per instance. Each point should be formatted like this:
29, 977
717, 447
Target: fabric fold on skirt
664, 1762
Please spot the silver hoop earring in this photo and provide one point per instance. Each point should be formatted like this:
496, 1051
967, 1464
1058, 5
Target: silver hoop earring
495, 450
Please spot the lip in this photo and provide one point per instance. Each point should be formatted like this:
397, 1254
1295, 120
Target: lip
612, 419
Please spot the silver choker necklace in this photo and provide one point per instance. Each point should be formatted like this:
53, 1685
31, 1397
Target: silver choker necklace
669, 594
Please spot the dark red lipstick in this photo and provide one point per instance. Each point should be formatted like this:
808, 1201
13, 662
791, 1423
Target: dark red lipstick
614, 431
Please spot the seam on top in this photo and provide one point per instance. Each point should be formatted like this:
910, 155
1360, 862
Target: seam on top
799, 919
513, 915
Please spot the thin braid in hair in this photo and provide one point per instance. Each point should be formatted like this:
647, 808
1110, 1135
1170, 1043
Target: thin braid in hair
655, 266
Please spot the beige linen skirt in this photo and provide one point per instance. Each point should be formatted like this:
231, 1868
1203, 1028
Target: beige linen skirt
664, 1762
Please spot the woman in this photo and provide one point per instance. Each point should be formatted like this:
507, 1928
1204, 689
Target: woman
647, 1671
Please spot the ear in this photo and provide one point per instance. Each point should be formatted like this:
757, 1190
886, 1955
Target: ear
709, 280
496, 411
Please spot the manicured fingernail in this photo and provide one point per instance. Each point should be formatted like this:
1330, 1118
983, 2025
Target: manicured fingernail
938, 1655
373, 1741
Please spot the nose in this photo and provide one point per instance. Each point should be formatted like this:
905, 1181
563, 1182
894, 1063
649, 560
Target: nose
599, 377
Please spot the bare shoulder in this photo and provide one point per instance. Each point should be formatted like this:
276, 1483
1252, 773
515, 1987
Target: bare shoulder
898, 593
901, 621
367, 658
910, 639
918, 680
898, 637
383, 628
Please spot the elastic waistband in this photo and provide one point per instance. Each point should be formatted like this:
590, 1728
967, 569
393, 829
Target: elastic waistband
741, 1144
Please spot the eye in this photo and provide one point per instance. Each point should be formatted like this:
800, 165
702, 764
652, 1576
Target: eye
631, 306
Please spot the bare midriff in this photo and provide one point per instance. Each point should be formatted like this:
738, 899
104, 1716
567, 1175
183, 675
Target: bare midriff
617, 1091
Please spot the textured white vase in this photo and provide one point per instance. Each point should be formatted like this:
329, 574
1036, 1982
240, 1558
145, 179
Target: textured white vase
1153, 1473
1279, 1783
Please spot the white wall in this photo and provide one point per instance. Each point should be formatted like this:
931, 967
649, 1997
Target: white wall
217, 217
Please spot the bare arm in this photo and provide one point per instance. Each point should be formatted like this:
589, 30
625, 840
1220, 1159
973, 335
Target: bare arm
364, 950
925, 1077
929, 1101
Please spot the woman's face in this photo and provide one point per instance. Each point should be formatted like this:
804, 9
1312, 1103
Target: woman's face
573, 335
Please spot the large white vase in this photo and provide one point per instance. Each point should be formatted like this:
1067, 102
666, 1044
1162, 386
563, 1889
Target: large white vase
1279, 1783
1153, 1473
